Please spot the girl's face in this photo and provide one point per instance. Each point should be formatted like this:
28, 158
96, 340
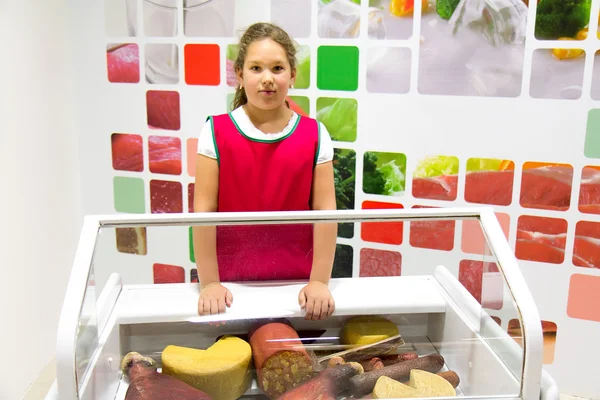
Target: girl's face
267, 74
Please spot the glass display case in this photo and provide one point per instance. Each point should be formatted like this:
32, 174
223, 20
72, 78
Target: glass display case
414, 316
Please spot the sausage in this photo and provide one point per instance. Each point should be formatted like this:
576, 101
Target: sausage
389, 359
280, 358
451, 377
364, 383
335, 361
326, 385
373, 363
147, 384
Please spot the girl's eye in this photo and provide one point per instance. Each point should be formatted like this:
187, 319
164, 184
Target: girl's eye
255, 68
278, 68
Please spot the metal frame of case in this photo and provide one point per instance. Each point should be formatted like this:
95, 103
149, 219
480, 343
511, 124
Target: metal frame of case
535, 382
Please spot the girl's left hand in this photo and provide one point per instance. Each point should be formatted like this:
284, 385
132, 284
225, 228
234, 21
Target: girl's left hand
316, 298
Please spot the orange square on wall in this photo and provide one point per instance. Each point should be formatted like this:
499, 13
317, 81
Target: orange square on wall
381, 232
202, 63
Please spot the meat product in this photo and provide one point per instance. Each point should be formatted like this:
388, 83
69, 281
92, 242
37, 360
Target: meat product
382, 232
166, 197
223, 371
123, 63
164, 273
145, 383
438, 188
131, 240
489, 187
364, 383
127, 152
164, 154
380, 262
437, 235
586, 251
589, 192
163, 109
541, 239
326, 385
280, 358
547, 187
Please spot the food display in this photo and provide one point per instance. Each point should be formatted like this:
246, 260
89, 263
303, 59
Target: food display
283, 361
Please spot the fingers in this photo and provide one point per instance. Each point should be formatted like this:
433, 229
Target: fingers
302, 299
228, 298
316, 315
309, 306
331, 304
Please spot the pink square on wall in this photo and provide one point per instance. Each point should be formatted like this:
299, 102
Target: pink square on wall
192, 150
584, 297
472, 239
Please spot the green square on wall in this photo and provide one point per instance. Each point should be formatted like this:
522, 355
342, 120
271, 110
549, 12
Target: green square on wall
592, 135
129, 195
337, 68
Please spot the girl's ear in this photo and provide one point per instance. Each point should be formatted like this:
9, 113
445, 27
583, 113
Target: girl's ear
293, 77
240, 77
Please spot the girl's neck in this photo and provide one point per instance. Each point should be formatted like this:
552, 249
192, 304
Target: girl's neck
261, 117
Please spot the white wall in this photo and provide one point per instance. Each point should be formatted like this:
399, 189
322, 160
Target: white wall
39, 189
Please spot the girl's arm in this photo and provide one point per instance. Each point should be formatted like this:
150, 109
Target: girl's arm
206, 189
325, 234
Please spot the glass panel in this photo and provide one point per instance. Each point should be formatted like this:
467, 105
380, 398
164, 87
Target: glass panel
426, 292
87, 331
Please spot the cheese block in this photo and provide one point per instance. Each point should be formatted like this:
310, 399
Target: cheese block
369, 329
223, 371
421, 384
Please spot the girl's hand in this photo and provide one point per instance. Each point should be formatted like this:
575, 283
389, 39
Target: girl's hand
317, 300
214, 297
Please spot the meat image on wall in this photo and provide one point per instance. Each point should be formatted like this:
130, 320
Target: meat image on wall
541, 239
546, 186
589, 192
586, 250
436, 177
437, 235
123, 63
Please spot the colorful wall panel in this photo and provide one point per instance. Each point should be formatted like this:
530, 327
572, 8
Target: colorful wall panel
454, 103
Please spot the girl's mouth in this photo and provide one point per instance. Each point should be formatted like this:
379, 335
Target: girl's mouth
267, 92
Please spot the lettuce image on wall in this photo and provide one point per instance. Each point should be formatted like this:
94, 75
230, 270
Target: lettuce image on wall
344, 169
339, 117
384, 173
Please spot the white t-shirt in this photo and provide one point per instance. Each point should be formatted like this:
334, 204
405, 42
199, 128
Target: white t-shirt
206, 145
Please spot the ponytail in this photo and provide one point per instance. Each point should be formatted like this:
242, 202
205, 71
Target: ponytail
240, 98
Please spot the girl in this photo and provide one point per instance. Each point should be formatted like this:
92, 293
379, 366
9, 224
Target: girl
264, 157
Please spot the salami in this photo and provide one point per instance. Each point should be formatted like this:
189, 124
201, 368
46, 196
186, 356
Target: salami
280, 359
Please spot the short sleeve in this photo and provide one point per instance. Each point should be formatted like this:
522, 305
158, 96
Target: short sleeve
325, 146
206, 144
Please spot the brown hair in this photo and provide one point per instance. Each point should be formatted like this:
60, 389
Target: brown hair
259, 31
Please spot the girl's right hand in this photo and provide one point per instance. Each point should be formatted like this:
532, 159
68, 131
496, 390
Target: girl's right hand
213, 299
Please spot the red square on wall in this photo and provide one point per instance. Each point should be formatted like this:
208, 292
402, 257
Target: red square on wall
202, 64
381, 232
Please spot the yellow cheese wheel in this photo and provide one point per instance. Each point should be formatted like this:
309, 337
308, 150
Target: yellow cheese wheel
369, 329
387, 388
421, 384
223, 371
